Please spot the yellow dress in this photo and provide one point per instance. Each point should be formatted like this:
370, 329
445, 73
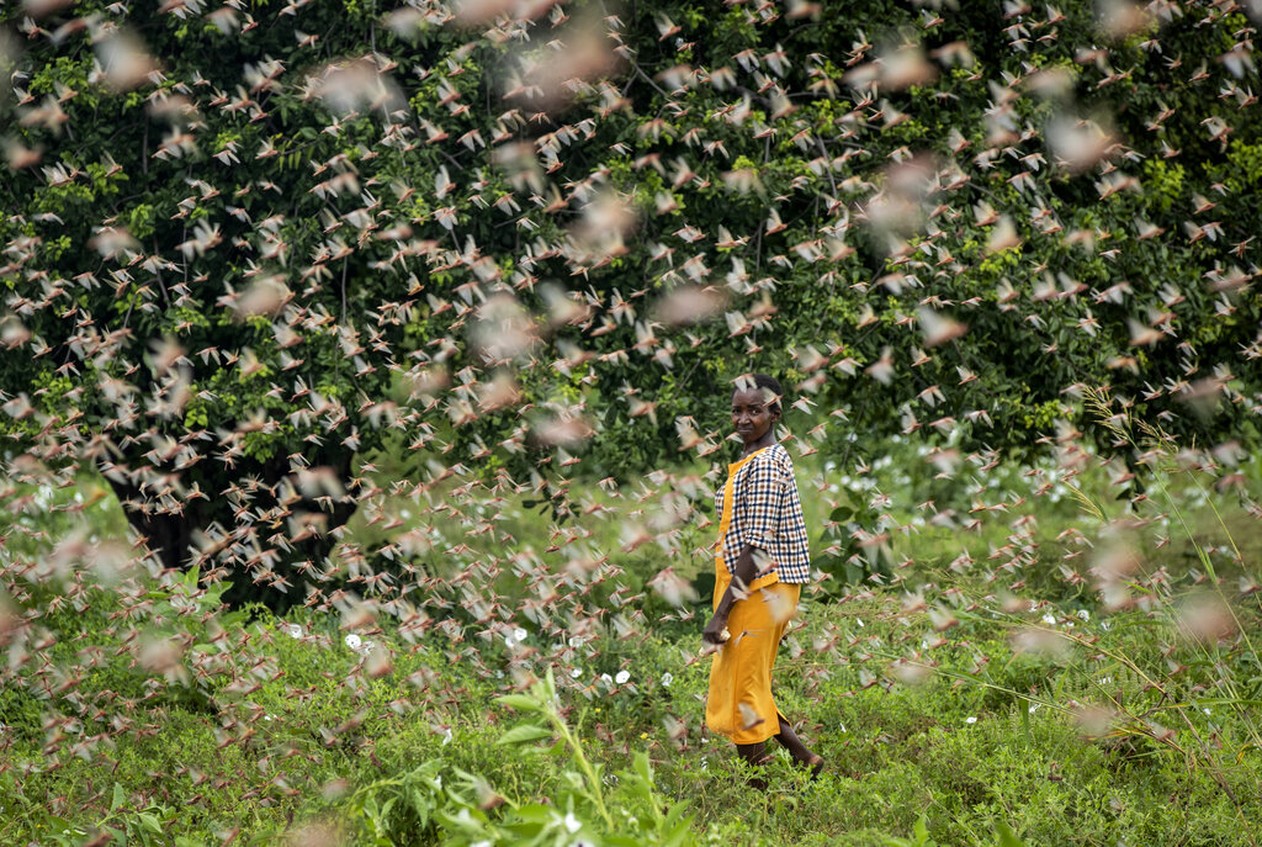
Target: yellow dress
740, 705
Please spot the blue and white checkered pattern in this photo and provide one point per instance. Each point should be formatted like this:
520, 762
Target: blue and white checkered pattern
767, 514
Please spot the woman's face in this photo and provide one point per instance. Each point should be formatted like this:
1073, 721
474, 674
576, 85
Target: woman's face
752, 414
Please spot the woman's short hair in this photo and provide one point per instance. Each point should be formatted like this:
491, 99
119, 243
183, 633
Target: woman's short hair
769, 383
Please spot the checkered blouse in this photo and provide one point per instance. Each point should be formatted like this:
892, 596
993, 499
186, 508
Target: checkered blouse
767, 513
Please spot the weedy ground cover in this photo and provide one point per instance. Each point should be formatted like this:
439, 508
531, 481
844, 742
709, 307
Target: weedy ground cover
415, 757
1058, 667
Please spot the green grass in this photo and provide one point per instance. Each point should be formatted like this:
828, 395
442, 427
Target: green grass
962, 749
954, 699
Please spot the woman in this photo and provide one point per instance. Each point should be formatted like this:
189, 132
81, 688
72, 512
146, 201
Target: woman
760, 567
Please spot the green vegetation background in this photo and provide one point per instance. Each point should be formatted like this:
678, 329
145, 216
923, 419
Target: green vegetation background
1037, 624
939, 722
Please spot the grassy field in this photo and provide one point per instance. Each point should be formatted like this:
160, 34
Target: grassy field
1030, 660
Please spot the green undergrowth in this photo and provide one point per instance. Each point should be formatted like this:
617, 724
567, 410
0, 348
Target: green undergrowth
1063, 667
290, 730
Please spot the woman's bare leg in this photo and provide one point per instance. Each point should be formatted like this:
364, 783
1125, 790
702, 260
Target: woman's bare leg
801, 754
755, 755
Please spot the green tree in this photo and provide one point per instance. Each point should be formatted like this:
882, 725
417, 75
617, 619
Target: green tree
243, 246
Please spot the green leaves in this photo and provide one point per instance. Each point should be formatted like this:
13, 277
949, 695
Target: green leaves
856, 547
524, 734
523, 702
841, 514
482, 277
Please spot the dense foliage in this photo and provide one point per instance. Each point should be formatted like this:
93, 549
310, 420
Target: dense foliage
418, 323
243, 246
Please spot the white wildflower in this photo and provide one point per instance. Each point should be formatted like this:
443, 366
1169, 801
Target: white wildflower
622, 677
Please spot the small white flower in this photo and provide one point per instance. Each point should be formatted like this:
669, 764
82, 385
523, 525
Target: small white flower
354, 642
520, 634
1084, 615
1105, 625
294, 630
572, 824
1206, 710
1049, 619
509, 641
1034, 707
622, 677
667, 679
576, 673
970, 719
447, 736
576, 641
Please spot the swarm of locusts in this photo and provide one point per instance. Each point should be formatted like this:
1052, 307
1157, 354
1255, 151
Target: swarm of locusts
325, 317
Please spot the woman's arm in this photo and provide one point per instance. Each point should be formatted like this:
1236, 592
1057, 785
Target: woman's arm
743, 572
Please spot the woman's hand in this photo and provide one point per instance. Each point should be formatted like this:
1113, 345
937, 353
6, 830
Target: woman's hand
715, 632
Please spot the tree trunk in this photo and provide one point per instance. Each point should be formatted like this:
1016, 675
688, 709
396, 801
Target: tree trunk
176, 532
